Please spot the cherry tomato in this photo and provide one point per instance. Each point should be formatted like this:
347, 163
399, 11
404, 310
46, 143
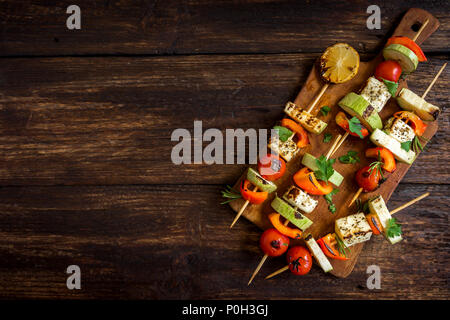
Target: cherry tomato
369, 181
273, 243
271, 167
299, 260
388, 70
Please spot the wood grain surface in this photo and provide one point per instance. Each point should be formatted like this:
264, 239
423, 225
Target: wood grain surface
85, 125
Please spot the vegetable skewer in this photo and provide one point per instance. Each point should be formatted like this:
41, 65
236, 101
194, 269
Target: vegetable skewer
263, 259
409, 203
358, 193
246, 203
347, 133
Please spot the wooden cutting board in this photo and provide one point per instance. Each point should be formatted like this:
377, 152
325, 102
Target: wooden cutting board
322, 218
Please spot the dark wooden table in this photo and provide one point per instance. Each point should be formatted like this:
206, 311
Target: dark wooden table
85, 172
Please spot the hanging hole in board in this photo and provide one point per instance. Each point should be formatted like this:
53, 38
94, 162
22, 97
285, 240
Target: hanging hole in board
416, 26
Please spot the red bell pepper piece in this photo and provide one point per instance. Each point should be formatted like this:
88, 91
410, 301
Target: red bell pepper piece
410, 44
386, 156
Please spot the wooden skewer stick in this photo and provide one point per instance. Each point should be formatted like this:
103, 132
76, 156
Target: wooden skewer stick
340, 142
355, 196
238, 215
333, 147
420, 30
392, 212
322, 91
262, 262
434, 80
273, 274
410, 203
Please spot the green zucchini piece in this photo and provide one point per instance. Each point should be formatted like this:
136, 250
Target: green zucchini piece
291, 214
264, 185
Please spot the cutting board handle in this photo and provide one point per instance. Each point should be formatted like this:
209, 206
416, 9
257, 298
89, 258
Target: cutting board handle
413, 20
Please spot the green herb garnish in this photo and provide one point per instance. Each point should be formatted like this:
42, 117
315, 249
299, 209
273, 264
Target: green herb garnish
377, 165
329, 199
393, 229
342, 248
324, 110
327, 137
355, 126
362, 207
325, 168
351, 157
416, 145
391, 86
283, 133
230, 194
406, 145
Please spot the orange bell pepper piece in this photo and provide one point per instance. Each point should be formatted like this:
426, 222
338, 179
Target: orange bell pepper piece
342, 121
306, 180
374, 223
328, 245
386, 156
254, 197
301, 134
293, 233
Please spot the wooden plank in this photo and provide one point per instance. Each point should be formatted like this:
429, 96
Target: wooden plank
323, 220
109, 120
116, 233
185, 27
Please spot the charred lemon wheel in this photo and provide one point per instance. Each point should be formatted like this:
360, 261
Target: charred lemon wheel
339, 63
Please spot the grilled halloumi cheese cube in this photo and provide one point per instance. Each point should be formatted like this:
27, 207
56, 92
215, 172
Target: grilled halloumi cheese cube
300, 199
307, 120
353, 229
399, 130
287, 150
376, 93
378, 206
381, 139
318, 254
410, 101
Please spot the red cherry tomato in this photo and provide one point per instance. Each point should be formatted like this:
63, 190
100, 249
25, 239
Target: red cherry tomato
273, 243
388, 70
369, 181
271, 167
299, 260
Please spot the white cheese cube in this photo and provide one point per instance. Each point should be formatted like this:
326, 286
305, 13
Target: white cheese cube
399, 130
307, 120
353, 229
318, 254
378, 206
300, 199
376, 93
381, 139
287, 150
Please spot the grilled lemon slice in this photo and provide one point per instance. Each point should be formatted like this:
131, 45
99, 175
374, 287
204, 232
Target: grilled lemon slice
339, 63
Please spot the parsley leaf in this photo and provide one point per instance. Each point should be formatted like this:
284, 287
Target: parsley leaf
354, 125
351, 157
406, 145
324, 110
325, 168
283, 133
327, 137
393, 229
329, 199
391, 86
